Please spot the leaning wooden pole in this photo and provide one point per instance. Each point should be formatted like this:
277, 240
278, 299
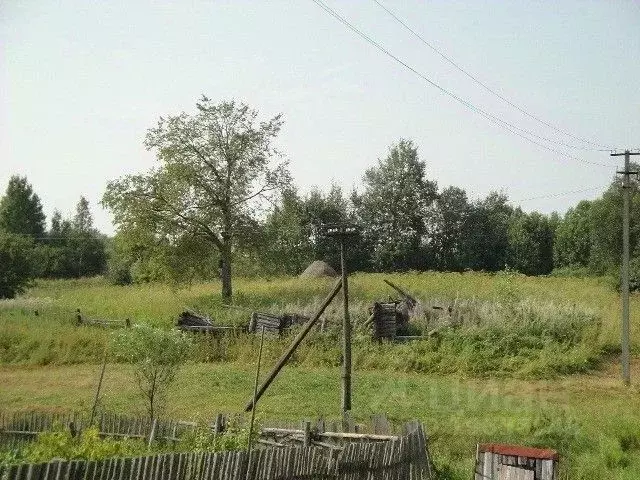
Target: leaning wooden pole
292, 348
255, 394
409, 298
97, 397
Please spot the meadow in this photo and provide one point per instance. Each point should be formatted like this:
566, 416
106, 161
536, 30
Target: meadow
533, 361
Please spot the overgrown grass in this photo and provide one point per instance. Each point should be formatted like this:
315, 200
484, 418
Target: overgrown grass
592, 420
457, 382
502, 324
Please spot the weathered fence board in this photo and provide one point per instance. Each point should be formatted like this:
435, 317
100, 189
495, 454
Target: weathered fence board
404, 458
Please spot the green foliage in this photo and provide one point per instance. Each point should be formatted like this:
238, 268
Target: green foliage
530, 243
16, 264
452, 213
486, 239
20, 209
87, 446
394, 209
156, 355
572, 245
203, 439
286, 247
216, 167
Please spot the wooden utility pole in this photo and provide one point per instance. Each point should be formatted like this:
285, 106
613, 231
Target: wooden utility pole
624, 290
343, 231
346, 335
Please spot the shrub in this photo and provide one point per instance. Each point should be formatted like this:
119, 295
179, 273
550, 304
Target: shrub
156, 355
87, 446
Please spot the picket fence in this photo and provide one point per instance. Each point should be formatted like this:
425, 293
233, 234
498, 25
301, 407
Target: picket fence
404, 458
18, 428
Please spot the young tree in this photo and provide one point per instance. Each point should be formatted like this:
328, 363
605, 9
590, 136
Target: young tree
16, 267
395, 210
83, 220
156, 355
215, 166
20, 209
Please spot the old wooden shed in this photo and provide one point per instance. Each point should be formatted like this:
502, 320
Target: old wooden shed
496, 461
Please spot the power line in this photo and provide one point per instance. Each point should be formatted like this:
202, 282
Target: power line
492, 118
492, 91
554, 195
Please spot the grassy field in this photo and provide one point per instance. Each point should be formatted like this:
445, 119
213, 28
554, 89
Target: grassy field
592, 420
501, 377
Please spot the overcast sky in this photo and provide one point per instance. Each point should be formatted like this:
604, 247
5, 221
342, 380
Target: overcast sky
81, 81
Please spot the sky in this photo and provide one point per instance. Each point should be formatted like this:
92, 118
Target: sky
82, 81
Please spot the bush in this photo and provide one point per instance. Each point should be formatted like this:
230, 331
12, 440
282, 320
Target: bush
156, 355
87, 446
119, 273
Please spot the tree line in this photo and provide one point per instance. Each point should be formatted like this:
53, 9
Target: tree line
222, 196
70, 248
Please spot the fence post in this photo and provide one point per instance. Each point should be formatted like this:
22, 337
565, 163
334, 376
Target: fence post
306, 426
152, 434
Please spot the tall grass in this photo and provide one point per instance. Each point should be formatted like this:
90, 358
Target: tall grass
497, 325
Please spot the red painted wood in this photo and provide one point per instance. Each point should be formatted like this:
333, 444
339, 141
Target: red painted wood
519, 451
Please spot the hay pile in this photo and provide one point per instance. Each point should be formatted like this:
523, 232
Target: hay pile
318, 269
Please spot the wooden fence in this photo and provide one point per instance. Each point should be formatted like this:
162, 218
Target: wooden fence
18, 428
22, 427
404, 458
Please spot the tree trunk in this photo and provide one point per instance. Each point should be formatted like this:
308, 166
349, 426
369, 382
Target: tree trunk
226, 274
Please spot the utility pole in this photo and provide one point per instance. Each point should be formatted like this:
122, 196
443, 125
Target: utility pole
626, 371
343, 232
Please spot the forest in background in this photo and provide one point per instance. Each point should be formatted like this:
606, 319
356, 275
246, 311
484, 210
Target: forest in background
222, 199
407, 223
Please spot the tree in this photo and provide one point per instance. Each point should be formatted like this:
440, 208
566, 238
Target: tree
321, 209
530, 243
572, 245
395, 210
486, 233
20, 209
85, 248
286, 244
452, 212
83, 220
156, 355
16, 268
215, 167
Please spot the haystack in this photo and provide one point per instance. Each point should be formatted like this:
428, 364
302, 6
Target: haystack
318, 269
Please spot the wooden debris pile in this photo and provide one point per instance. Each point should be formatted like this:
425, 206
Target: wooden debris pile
391, 320
190, 321
96, 322
277, 324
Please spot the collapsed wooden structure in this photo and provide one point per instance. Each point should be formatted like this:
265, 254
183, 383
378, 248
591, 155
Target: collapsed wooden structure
272, 323
189, 321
